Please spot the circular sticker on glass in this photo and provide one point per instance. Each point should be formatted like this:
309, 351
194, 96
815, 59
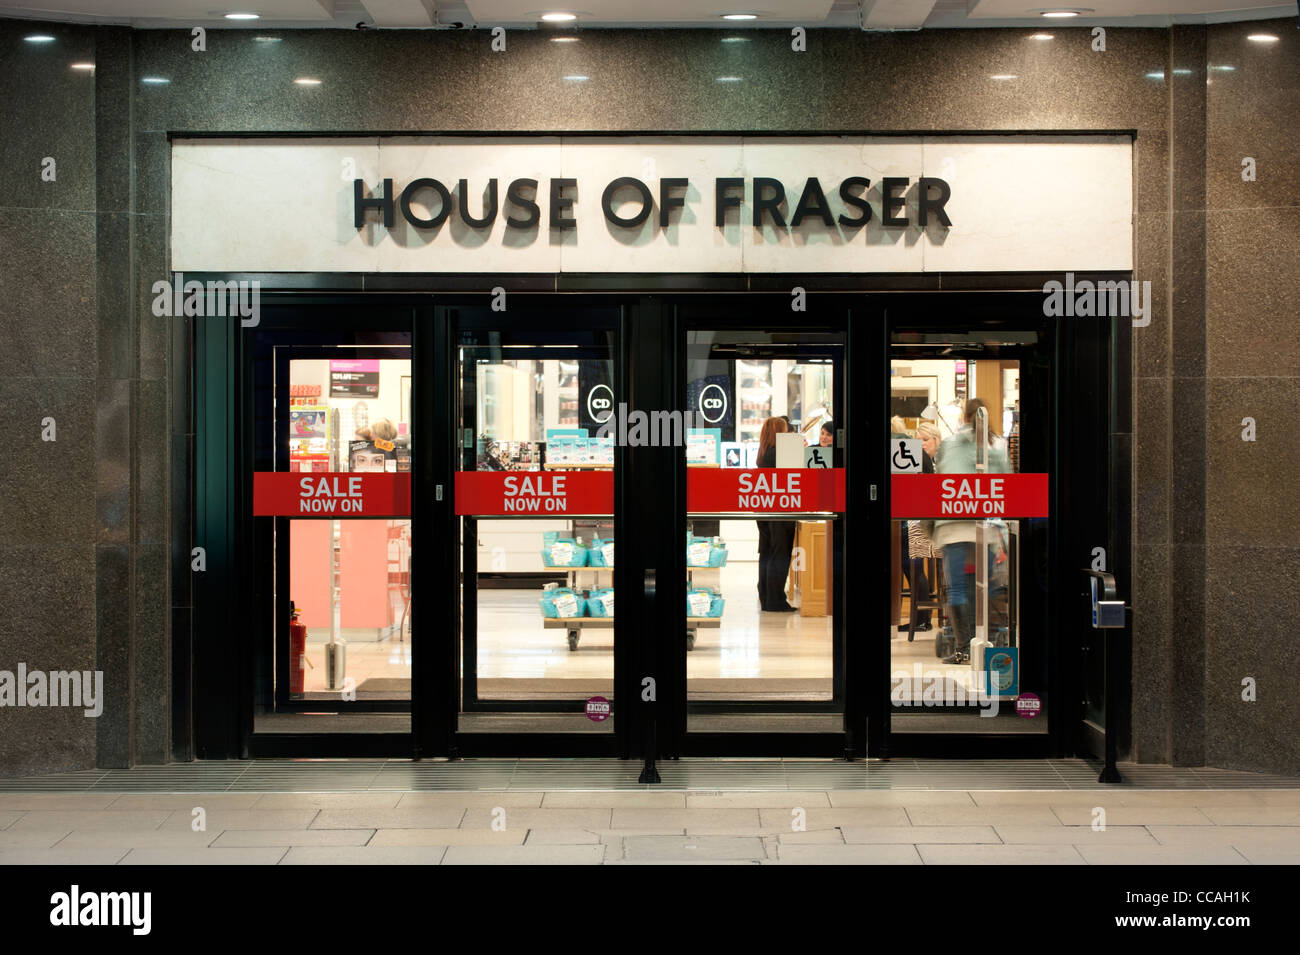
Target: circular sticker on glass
598, 709
600, 403
1029, 705
713, 403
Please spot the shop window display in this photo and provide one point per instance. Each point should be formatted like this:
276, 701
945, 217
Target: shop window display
538, 603
760, 625
349, 579
953, 608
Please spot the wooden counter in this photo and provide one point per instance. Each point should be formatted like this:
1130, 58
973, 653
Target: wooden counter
814, 579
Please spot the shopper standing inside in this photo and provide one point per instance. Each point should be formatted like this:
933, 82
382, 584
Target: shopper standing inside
897, 430
775, 538
956, 539
919, 546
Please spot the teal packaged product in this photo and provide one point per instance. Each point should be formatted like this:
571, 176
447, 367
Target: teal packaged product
601, 553
703, 602
600, 602
566, 446
1001, 671
563, 602
563, 552
705, 552
600, 450
704, 446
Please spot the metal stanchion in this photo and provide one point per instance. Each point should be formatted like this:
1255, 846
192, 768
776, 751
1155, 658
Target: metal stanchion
1108, 613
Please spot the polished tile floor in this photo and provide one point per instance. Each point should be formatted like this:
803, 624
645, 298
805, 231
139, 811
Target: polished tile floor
513, 644
593, 811
748, 644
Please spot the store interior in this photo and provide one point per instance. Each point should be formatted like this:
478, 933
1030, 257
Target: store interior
957, 630
784, 654
543, 621
349, 580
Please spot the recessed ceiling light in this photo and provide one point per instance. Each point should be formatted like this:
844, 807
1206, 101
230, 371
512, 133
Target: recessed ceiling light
83, 66
1042, 36
564, 39
243, 16
577, 78
559, 17
740, 16
1262, 38
39, 38
1182, 71
729, 79
154, 80
1059, 14
1157, 75
267, 39
1224, 69
307, 81
1003, 76
735, 39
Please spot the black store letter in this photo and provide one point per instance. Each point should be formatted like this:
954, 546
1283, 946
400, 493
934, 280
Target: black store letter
607, 202
889, 202
360, 203
560, 202
415, 186
489, 205
515, 197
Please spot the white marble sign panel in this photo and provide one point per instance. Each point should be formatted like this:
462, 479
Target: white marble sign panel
994, 203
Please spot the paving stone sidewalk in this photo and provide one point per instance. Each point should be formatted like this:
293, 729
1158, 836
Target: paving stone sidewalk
591, 811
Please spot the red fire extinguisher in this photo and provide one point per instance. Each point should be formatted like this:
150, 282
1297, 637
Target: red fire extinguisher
297, 651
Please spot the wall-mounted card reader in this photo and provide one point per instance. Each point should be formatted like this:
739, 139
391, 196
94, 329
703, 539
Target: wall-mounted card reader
1107, 610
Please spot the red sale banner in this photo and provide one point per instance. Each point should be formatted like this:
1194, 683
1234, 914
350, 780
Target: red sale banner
330, 494
534, 492
970, 496
764, 490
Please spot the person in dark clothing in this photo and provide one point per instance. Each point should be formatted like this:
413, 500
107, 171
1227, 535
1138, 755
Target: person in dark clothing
916, 545
898, 429
775, 538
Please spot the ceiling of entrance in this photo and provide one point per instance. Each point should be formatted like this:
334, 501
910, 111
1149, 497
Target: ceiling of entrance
454, 14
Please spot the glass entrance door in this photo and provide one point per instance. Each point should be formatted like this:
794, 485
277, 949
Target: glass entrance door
971, 637
762, 540
343, 411
534, 504
327, 600
752, 595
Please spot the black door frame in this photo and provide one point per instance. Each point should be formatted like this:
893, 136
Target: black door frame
756, 312
986, 315
455, 561
281, 356
1089, 361
1087, 390
234, 435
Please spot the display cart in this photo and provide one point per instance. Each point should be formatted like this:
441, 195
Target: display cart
573, 580
588, 577
573, 627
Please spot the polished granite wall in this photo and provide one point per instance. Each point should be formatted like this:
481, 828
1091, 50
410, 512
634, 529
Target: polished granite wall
59, 533
112, 582
1252, 369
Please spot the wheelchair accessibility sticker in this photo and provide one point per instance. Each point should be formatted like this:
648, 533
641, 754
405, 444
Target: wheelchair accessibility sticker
905, 455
